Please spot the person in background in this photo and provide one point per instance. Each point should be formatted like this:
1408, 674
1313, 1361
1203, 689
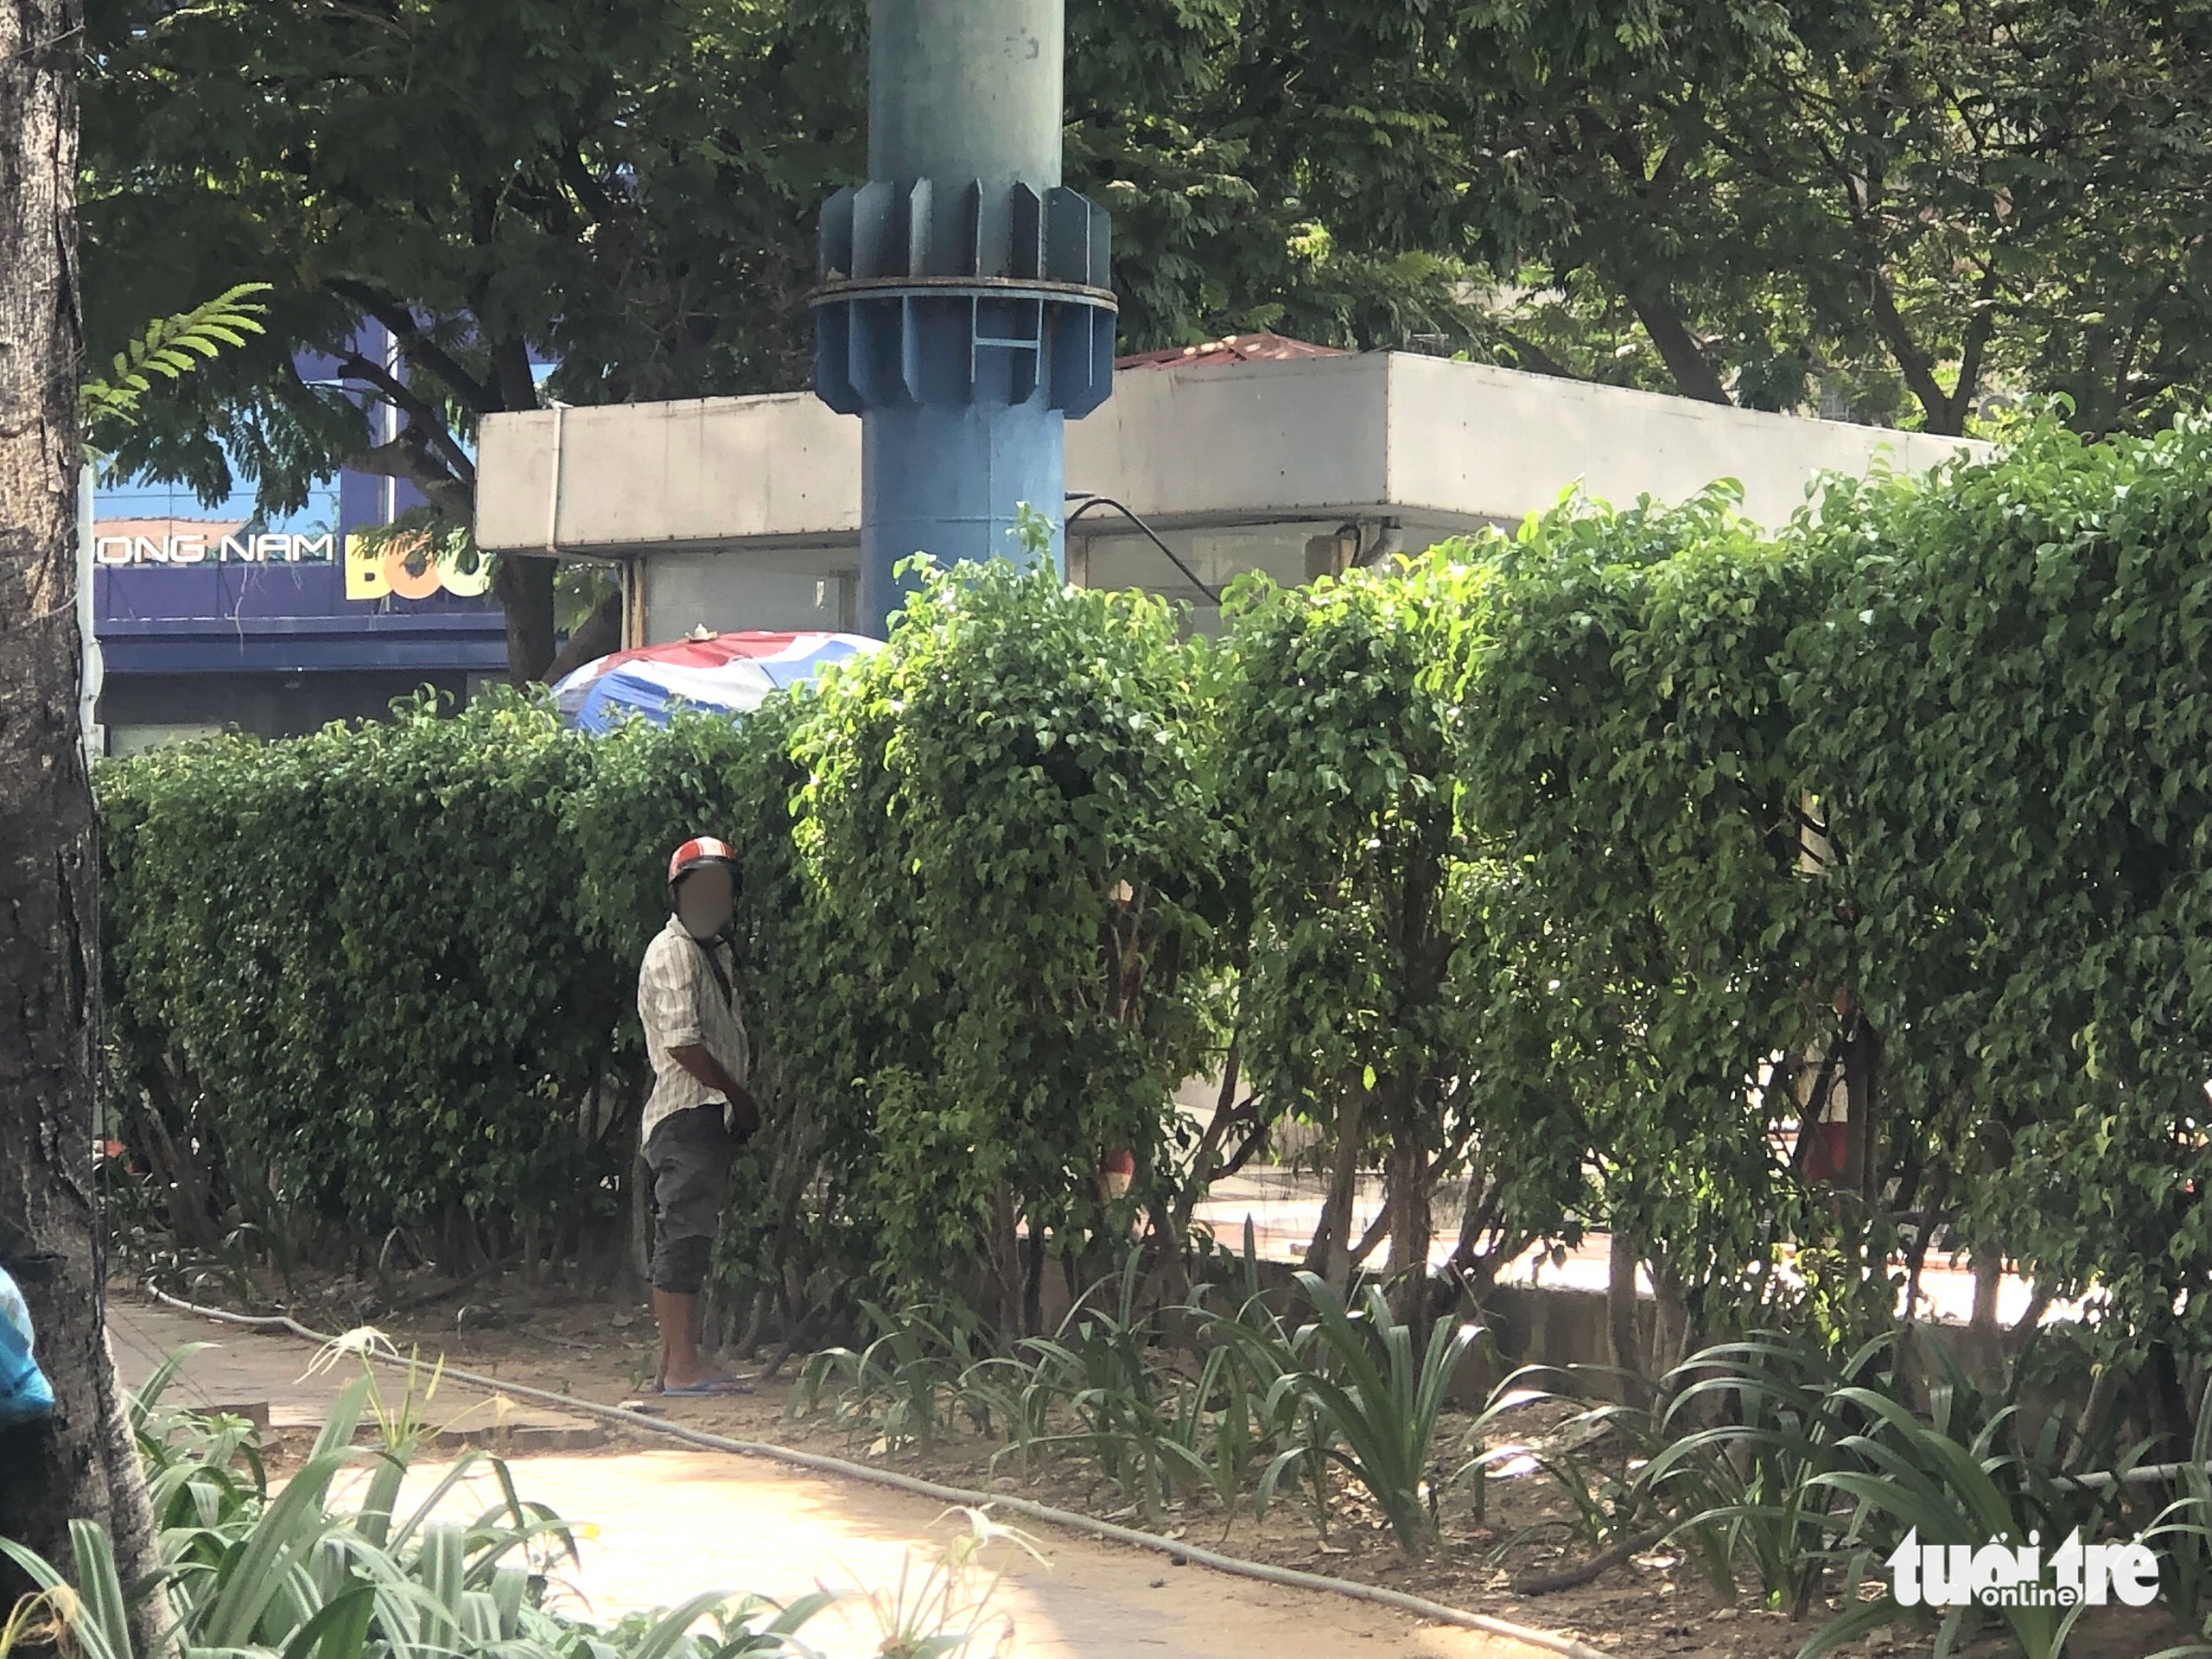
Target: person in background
691, 998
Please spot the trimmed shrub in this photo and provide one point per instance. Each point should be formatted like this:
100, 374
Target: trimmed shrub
346, 983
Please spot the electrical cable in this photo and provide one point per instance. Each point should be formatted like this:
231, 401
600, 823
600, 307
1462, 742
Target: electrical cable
1190, 575
818, 1463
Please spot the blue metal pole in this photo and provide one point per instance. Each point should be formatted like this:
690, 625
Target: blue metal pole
965, 310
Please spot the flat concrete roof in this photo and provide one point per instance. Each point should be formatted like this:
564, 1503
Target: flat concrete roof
1380, 435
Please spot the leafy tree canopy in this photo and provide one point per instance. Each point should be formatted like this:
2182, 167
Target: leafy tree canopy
1890, 209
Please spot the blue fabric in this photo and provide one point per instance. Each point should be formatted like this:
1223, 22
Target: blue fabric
25, 1395
623, 693
652, 691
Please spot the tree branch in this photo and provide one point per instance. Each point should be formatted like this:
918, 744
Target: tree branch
1377, 1231
419, 413
599, 634
1533, 358
1979, 327
511, 369
1678, 348
419, 347
1919, 372
410, 462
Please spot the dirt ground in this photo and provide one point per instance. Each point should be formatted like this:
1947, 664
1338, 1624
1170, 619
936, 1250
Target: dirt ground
667, 1524
1656, 1605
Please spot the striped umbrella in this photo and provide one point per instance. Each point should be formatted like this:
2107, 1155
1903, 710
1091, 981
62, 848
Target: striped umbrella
717, 673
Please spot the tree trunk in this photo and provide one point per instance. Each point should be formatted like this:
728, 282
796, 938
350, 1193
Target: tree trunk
1413, 1225
1984, 1339
1862, 1072
1678, 348
1006, 1263
1673, 1333
1621, 1333
524, 586
1329, 1255
83, 1463
599, 635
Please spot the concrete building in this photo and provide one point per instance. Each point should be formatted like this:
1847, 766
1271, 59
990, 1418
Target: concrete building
732, 514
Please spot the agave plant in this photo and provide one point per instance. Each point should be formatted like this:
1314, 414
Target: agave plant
295, 1576
2183, 1532
1134, 1419
1745, 1490
1956, 1476
945, 1610
1377, 1401
901, 1388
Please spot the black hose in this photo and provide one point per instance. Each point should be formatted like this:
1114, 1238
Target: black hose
1190, 575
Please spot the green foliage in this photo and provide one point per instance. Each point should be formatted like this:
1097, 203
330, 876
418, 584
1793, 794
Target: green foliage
1334, 739
1885, 210
959, 1011
1891, 205
631, 192
1268, 1399
1750, 1489
975, 944
1009, 847
902, 1388
2007, 697
1370, 965
250, 1574
1380, 1397
1564, 856
1626, 753
1953, 1479
2183, 1534
945, 1611
346, 972
1136, 1420
170, 348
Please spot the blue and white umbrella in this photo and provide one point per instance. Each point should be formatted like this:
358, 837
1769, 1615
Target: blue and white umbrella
723, 673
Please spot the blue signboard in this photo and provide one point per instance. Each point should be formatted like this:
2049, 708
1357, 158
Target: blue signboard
180, 596
281, 618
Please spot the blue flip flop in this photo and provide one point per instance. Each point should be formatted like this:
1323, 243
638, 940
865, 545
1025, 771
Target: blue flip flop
712, 1388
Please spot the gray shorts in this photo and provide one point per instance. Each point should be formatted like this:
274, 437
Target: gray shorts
690, 1153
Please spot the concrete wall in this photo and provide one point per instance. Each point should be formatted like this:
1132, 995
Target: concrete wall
640, 476
1312, 439
1467, 438
1224, 442
731, 592
738, 510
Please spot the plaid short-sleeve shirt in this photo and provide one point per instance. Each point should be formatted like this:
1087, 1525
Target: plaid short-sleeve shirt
683, 1005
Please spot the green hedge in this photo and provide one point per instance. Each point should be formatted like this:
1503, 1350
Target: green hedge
345, 983
2011, 695
1522, 865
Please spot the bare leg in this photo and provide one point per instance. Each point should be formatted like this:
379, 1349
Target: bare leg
680, 1365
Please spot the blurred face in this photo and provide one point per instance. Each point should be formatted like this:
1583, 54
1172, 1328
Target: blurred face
705, 901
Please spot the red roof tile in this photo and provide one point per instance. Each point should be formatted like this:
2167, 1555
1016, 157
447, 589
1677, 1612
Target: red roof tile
1237, 348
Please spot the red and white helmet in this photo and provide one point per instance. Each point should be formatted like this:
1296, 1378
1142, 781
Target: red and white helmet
700, 849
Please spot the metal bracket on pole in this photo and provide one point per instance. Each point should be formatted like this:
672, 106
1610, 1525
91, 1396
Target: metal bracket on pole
965, 308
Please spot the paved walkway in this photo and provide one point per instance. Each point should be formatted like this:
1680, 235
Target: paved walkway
669, 1524
265, 1377
666, 1525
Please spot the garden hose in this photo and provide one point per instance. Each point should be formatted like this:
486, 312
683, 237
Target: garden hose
816, 1462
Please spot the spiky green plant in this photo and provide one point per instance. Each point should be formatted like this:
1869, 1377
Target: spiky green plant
1379, 1400
297, 1576
170, 348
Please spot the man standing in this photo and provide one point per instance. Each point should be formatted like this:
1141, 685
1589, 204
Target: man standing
700, 1111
